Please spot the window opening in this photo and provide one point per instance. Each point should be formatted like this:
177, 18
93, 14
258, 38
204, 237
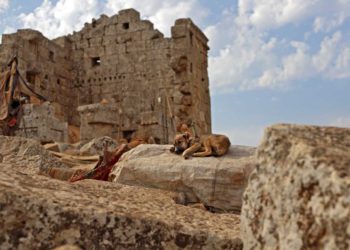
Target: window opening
95, 61
127, 134
51, 56
126, 26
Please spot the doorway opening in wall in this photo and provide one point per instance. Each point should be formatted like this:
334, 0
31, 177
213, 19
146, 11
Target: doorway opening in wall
95, 61
127, 134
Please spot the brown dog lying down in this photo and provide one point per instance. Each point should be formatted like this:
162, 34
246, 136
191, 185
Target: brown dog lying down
206, 145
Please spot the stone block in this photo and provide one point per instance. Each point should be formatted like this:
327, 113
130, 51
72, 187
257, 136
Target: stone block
179, 32
111, 30
128, 15
95, 41
97, 119
39, 122
142, 25
180, 43
97, 146
9, 39
132, 47
217, 182
151, 34
116, 49
298, 196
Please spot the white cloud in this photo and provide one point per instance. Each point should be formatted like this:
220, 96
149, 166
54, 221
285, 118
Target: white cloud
271, 14
238, 54
292, 67
331, 61
328, 24
221, 33
332, 16
61, 18
341, 122
266, 14
238, 65
324, 58
246, 56
4, 4
341, 69
9, 29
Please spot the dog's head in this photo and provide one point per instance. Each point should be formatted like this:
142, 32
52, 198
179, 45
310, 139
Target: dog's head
181, 142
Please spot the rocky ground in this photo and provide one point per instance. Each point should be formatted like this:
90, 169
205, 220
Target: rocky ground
37, 212
294, 191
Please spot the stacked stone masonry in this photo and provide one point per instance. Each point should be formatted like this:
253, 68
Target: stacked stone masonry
148, 83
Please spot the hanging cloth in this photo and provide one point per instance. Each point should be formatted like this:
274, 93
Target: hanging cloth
4, 80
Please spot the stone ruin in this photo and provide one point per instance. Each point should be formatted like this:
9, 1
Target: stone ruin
117, 77
120, 77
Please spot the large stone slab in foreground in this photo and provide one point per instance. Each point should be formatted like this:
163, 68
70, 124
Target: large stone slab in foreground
41, 213
217, 182
299, 195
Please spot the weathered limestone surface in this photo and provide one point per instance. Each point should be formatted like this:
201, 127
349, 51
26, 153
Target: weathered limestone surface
96, 146
217, 182
26, 154
67, 247
298, 197
41, 213
98, 120
39, 122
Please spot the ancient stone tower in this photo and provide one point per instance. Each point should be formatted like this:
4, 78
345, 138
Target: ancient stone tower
119, 76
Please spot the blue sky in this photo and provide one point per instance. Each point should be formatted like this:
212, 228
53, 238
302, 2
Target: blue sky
271, 61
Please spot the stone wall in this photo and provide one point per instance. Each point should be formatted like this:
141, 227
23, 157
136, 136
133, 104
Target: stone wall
31, 124
45, 65
156, 82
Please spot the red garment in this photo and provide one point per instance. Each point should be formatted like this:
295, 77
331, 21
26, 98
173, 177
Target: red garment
103, 167
12, 122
